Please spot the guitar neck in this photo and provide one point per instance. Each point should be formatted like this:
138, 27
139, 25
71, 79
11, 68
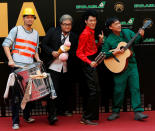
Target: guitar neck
131, 41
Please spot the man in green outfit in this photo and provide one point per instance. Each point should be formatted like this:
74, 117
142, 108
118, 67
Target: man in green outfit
130, 76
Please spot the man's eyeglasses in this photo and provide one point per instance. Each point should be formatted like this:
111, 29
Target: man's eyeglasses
64, 24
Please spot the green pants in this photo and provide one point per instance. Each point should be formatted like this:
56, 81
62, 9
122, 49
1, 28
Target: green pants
131, 77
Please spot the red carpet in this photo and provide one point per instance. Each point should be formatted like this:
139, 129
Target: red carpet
126, 122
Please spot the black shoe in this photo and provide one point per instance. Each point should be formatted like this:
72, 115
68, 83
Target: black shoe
113, 116
52, 120
30, 120
88, 122
68, 113
140, 116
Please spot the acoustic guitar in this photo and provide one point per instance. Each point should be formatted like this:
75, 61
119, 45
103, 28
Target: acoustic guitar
119, 62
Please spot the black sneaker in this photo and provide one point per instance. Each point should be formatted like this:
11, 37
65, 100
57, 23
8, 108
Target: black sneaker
140, 116
87, 122
53, 120
113, 116
30, 120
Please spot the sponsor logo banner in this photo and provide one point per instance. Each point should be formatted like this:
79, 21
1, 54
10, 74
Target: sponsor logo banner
98, 6
128, 24
149, 40
144, 7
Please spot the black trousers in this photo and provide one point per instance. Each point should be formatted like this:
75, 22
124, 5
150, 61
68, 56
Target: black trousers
91, 107
16, 99
62, 85
51, 109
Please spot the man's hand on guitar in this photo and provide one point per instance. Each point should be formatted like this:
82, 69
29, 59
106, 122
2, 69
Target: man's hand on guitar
118, 51
93, 64
141, 32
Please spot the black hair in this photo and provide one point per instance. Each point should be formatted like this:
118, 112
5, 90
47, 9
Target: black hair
108, 23
90, 12
80, 25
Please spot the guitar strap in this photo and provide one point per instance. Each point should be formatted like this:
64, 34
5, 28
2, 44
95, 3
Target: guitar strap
125, 36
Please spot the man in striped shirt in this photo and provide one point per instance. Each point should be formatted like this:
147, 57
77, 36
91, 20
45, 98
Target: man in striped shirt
24, 41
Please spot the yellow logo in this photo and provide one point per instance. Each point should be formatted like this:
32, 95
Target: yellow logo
119, 7
4, 19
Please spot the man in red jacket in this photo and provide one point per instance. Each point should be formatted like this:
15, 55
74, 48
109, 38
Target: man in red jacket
87, 48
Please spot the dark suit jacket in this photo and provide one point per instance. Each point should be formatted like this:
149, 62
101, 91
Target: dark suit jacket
52, 42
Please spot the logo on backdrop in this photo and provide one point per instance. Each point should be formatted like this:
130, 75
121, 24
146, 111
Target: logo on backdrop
99, 7
4, 19
149, 40
128, 24
119, 7
144, 7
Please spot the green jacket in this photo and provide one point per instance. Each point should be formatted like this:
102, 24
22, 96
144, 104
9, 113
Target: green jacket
112, 41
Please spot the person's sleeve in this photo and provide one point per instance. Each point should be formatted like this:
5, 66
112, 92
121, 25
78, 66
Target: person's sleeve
81, 47
46, 41
106, 48
10, 39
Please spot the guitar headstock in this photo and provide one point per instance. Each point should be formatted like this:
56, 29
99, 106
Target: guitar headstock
147, 23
